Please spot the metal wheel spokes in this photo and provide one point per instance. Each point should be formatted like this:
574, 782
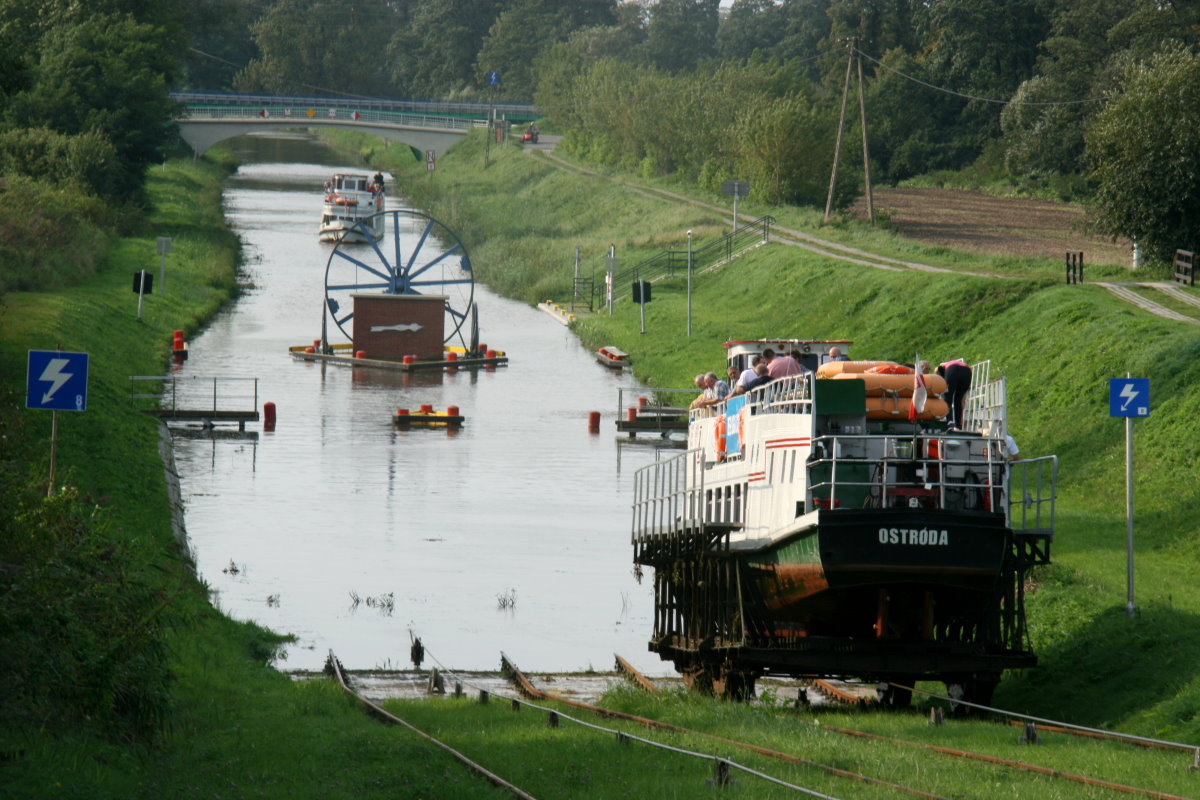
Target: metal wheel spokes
416, 255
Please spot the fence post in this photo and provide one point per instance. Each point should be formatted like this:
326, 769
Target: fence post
1185, 267
1074, 266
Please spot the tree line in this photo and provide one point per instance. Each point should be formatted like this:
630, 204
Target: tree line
1089, 100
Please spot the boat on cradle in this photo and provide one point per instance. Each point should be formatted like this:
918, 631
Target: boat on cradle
803, 535
613, 357
352, 210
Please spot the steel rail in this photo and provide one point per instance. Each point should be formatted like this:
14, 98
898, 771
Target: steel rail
526, 687
1008, 762
634, 675
335, 667
1068, 727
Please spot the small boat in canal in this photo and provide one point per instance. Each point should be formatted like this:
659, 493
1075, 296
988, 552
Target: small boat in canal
817, 528
426, 415
612, 357
352, 210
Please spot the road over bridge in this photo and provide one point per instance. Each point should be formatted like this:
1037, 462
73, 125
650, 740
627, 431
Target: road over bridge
208, 118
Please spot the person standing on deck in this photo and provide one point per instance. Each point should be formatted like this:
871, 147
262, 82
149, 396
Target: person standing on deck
958, 382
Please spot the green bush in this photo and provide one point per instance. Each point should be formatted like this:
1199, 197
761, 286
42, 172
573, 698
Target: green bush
50, 236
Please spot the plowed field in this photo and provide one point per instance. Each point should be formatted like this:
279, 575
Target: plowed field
973, 221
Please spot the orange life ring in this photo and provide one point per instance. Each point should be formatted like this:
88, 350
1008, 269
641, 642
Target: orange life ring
891, 369
719, 428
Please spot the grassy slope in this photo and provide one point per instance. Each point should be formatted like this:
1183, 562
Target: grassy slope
1056, 344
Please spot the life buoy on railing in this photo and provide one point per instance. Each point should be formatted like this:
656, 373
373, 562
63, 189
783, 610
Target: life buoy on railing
719, 428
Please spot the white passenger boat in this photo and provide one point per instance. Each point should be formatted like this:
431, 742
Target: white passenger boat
352, 210
814, 528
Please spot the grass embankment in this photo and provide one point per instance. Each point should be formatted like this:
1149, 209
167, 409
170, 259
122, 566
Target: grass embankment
237, 729
1057, 345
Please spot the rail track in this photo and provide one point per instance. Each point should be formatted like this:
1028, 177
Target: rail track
660, 732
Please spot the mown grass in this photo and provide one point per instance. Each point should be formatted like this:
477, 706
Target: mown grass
593, 763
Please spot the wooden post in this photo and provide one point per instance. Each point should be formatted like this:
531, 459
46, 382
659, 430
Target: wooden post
936, 716
1029, 734
837, 147
515, 704
1185, 267
483, 697
552, 719
720, 772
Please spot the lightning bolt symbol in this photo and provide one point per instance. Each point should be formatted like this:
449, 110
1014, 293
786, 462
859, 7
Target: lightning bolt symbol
1129, 393
54, 373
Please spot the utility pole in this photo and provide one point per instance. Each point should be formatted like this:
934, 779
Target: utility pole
853, 54
862, 115
837, 147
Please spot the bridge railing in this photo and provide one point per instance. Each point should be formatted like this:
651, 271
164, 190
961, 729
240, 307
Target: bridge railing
510, 111
308, 115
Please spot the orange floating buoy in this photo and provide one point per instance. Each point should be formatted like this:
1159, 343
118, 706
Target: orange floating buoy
482, 348
426, 408
630, 414
316, 344
642, 402
452, 356
402, 412
593, 421
490, 354
452, 411
269, 416
360, 353
309, 350
408, 359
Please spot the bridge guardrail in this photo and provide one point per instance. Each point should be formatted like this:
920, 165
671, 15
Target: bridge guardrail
511, 111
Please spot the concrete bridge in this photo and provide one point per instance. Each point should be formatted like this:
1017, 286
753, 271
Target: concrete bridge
208, 118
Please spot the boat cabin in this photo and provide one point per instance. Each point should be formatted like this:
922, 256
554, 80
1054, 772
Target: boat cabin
813, 353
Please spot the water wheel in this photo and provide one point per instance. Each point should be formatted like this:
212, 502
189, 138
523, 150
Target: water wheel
416, 255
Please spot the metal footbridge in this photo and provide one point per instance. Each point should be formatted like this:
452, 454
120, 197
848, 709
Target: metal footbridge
206, 118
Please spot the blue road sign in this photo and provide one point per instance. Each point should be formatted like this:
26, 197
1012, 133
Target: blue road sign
1129, 397
57, 380
493, 79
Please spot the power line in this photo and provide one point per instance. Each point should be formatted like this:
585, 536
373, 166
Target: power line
974, 97
297, 83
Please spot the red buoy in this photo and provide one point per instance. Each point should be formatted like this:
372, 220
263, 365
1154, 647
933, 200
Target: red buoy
308, 350
630, 414
401, 412
426, 408
594, 421
268, 416
642, 402
490, 354
452, 356
409, 359
452, 411
360, 353
482, 348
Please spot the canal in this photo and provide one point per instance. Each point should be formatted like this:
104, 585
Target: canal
511, 534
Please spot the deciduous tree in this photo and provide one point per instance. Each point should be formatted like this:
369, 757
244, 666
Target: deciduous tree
1144, 151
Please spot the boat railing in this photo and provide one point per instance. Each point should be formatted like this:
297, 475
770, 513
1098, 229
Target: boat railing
791, 394
1032, 492
668, 498
965, 473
